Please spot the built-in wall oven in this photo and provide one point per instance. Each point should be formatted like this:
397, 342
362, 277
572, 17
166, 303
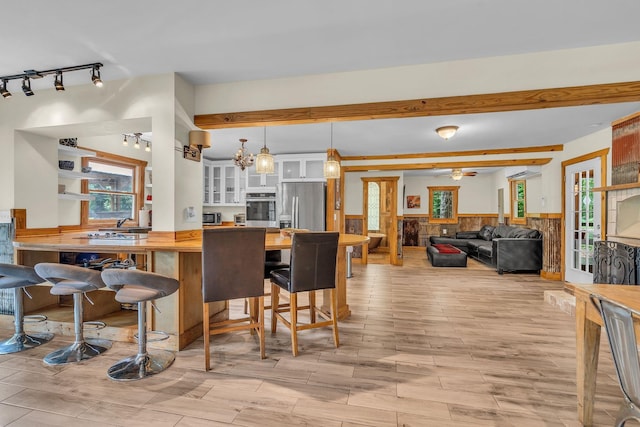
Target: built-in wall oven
261, 209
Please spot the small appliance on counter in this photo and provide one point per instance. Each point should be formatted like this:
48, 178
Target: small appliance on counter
239, 219
212, 218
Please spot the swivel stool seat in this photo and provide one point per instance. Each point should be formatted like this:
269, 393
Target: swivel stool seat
76, 281
136, 286
18, 277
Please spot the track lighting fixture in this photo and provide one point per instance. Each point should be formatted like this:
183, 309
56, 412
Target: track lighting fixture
137, 141
58, 83
95, 76
26, 86
28, 75
3, 89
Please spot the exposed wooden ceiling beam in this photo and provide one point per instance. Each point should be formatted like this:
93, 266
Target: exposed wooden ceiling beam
447, 165
468, 104
545, 148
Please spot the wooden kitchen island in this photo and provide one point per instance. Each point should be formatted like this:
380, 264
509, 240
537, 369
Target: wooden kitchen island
180, 313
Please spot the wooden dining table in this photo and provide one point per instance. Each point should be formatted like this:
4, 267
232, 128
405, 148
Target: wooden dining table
588, 327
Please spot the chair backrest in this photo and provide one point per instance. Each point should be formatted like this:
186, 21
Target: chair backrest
618, 323
313, 261
232, 263
116, 278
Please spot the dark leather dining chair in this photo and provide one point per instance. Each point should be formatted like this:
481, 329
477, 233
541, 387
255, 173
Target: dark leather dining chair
233, 268
312, 268
618, 322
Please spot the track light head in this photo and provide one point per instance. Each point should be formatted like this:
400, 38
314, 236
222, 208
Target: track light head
148, 147
3, 90
26, 86
58, 83
95, 76
124, 140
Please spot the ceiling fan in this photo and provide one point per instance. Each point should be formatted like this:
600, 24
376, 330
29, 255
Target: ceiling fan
457, 174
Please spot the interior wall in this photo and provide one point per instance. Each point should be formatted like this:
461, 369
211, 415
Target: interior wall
151, 97
559, 68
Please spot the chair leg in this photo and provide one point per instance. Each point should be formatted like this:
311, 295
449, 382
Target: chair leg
334, 317
261, 322
275, 297
206, 335
81, 349
21, 341
293, 310
312, 306
145, 363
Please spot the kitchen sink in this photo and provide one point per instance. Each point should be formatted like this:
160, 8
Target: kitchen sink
127, 229
113, 236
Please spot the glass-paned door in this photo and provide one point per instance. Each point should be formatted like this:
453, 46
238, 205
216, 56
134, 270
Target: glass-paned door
582, 219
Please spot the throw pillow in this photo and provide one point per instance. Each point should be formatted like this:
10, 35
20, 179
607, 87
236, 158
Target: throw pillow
524, 233
486, 232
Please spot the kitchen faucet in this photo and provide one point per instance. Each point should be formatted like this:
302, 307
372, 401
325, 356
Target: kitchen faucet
122, 221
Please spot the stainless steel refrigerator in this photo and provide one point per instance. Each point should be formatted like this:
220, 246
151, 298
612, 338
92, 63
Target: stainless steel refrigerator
302, 205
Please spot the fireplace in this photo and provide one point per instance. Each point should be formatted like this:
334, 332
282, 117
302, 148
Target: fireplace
628, 217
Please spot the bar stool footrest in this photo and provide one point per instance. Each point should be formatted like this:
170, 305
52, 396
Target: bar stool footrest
161, 336
94, 325
141, 366
34, 318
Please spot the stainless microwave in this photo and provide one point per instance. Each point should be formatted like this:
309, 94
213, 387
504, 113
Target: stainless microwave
212, 218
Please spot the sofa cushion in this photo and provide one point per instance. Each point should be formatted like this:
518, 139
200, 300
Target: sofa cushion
467, 235
501, 231
485, 251
486, 232
524, 233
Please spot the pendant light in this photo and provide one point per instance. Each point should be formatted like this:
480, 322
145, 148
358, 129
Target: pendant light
331, 166
264, 160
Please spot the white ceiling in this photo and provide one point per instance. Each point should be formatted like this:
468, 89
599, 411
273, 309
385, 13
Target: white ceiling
221, 41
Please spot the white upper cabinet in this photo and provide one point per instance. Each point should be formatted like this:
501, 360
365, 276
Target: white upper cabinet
302, 167
224, 184
259, 181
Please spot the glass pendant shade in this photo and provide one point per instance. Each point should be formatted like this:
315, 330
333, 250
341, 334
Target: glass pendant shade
331, 168
264, 161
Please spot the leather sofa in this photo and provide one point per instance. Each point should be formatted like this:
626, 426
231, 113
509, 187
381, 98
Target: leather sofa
506, 248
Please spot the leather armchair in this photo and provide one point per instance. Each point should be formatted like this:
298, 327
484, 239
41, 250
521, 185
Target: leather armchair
511, 254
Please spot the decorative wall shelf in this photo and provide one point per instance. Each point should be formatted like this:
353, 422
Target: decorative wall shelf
618, 187
73, 151
76, 175
74, 196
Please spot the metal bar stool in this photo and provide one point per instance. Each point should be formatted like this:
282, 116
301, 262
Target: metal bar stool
18, 277
74, 280
136, 286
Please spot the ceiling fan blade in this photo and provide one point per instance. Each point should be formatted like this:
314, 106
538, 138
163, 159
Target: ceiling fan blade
470, 173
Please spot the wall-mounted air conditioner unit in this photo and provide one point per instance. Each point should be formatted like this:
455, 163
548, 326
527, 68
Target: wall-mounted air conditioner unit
522, 172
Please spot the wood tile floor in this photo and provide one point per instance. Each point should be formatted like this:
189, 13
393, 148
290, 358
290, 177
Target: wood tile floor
423, 347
